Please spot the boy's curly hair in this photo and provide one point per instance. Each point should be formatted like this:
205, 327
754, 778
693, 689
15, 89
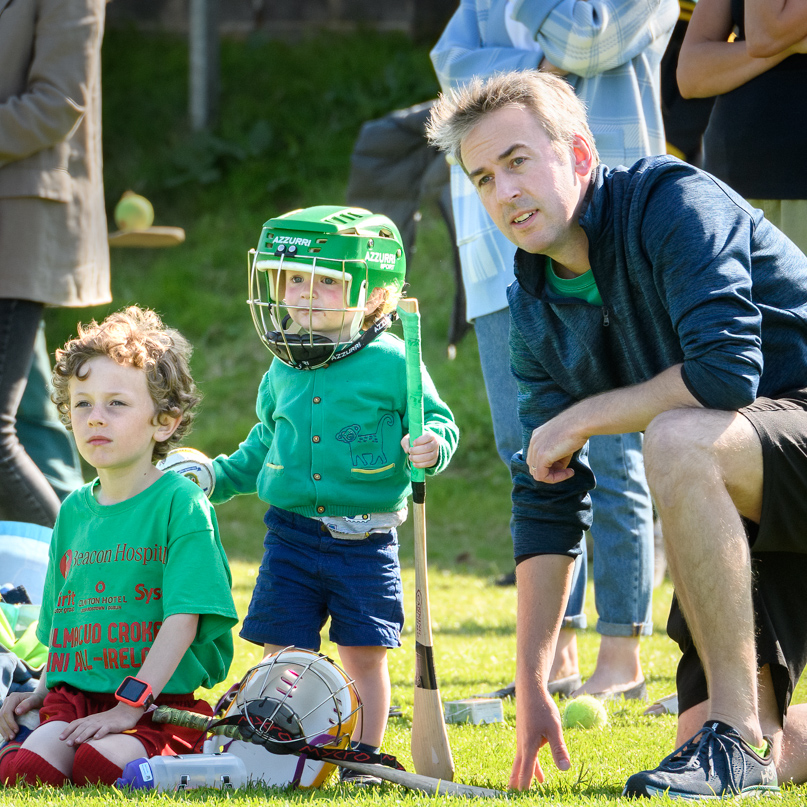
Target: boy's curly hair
135, 337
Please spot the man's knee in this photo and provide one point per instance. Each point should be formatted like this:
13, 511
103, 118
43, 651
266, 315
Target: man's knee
704, 447
672, 441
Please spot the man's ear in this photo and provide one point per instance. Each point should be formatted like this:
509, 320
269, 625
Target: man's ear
167, 423
583, 156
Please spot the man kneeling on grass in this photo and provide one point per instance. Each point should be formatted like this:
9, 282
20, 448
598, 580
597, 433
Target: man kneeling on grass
692, 328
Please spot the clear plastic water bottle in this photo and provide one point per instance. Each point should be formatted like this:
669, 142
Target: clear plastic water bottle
185, 772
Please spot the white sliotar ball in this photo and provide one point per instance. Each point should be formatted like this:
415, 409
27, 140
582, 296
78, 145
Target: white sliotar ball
192, 464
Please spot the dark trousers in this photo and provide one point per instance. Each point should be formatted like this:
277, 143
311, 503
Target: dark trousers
25, 494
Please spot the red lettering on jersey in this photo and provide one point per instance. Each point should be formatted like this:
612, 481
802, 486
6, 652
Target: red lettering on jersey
66, 562
58, 662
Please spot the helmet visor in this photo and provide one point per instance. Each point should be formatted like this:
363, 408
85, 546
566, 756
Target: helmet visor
302, 307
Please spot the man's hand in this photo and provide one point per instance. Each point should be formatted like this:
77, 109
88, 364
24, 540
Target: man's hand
551, 449
424, 452
619, 411
537, 723
15, 705
93, 727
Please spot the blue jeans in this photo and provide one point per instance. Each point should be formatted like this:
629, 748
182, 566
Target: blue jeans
623, 513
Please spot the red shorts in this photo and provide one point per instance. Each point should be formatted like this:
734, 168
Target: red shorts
66, 703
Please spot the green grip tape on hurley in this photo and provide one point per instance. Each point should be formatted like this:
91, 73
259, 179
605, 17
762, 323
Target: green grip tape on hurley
410, 318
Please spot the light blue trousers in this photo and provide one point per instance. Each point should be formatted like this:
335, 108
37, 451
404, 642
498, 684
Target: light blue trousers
623, 511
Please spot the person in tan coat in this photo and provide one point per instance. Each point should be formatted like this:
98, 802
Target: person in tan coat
53, 230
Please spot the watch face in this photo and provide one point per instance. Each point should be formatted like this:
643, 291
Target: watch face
131, 689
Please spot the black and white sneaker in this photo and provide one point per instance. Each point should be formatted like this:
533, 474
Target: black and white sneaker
714, 764
349, 777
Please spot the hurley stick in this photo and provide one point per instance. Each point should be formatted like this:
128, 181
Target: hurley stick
431, 751
413, 781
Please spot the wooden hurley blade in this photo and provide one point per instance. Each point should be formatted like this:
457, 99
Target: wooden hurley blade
431, 751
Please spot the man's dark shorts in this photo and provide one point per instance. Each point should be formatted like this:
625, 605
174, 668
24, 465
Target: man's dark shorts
778, 556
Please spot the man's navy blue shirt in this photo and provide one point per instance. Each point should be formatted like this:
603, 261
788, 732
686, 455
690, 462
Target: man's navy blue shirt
689, 274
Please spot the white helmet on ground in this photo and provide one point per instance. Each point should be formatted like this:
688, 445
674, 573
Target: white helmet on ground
308, 698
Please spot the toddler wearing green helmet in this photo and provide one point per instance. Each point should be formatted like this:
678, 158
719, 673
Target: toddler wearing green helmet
330, 450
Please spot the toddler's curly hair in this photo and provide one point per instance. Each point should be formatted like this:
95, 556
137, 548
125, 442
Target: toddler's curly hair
135, 337
382, 300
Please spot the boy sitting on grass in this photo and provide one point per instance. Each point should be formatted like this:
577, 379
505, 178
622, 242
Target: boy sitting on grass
137, 606
331, 444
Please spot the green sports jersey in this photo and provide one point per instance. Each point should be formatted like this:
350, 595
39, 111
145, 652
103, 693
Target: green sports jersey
328, 441
116, 572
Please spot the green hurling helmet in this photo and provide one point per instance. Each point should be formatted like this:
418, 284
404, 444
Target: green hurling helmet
312, 276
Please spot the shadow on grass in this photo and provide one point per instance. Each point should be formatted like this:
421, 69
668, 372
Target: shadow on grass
476, 629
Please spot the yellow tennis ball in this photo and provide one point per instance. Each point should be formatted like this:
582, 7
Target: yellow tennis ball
133, 212
584, 712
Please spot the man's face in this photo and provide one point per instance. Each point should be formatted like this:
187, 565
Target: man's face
530, 187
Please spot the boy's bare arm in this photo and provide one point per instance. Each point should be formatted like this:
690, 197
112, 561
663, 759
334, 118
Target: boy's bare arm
173, 640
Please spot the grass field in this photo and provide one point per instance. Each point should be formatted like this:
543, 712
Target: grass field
290, 114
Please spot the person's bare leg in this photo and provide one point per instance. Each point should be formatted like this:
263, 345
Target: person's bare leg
564, 663
690, 721
120, 749
45, 742
618, 666
705, 470
792, 764
367, 666
271, 649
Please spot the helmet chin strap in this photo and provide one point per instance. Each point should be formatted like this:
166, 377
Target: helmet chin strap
304, 343
378, 327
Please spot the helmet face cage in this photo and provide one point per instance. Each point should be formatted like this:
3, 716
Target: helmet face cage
339, 253
303, 693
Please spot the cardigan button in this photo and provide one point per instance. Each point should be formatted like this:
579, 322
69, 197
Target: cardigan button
320, 509
317, 399
315, 438
317, 477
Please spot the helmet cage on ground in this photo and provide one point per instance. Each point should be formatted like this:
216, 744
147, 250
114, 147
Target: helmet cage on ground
303, 693
353, 247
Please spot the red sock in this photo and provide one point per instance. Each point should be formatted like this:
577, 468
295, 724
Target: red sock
90, 767
8, 763
26, 766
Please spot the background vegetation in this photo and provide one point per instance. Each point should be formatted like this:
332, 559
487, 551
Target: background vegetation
290, 114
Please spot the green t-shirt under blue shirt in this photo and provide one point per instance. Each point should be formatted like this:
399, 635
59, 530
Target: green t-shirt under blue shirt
580, 286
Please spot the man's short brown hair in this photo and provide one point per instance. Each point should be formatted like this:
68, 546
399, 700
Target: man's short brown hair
552, 101
134, 337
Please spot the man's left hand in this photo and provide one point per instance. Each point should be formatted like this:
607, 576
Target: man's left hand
537, 724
